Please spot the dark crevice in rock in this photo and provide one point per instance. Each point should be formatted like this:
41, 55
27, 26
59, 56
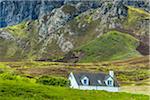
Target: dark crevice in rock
143, 49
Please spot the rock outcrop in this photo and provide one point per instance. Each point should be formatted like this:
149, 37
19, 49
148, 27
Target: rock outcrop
54, 29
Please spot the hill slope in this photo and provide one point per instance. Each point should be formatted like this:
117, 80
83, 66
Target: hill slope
110, 46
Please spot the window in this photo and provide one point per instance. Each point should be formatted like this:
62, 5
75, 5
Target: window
109, 82
85, 81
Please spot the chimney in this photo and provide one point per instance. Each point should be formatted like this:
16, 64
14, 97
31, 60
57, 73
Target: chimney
111, 73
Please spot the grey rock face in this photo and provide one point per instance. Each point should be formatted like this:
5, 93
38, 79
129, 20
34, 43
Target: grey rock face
55, 20
13, 12
6, 36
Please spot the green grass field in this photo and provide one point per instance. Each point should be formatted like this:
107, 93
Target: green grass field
21, 90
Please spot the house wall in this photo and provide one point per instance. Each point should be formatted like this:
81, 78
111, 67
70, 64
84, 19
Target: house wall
73, 83
111, 89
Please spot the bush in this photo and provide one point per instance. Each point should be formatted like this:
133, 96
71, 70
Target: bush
11, 76
54, 81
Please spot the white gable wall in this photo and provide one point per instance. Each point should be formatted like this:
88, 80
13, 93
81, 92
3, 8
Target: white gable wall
73, 83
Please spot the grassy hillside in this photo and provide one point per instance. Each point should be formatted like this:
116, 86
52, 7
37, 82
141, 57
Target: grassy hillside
128, 72
24, 46
110, 46
19, 90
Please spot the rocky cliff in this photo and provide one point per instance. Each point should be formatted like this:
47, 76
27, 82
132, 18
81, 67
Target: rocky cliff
61, 30
13, 12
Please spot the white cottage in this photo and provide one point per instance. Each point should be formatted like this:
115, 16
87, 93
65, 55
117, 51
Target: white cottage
94, 81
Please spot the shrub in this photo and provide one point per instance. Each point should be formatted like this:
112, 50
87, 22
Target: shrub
54, 81
11, 76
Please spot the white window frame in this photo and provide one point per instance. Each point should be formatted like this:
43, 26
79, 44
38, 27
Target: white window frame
83, 80
109, 82
109, 79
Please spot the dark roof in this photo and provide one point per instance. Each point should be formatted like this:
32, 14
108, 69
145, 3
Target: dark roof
93, 78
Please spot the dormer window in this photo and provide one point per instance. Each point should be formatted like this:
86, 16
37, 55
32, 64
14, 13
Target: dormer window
109, 83
85, 81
